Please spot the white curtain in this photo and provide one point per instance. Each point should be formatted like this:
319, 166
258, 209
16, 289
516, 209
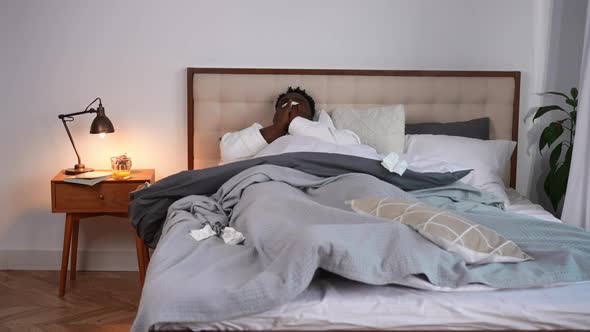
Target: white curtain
576, 208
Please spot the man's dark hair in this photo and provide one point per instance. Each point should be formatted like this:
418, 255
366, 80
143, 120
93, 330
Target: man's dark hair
301, 92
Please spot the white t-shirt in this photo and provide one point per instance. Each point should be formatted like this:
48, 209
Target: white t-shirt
247, 142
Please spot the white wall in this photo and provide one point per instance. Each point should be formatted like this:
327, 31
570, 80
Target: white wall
58, 55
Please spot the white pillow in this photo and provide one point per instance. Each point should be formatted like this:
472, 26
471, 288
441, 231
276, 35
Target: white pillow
290, 143
380, 127
489, 159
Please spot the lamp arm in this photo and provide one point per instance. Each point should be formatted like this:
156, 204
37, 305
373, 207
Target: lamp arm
99, 103
63, 119
87, 110
69, 115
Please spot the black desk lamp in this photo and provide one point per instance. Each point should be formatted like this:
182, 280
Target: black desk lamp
100, 125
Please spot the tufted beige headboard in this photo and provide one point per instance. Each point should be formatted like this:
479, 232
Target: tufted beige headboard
222, 100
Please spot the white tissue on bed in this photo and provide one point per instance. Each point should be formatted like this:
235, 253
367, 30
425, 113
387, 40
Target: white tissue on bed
231, 236
203, 233
393, 163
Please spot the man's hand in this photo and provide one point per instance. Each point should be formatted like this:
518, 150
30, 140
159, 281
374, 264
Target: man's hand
279, 127
284, 114
297, 110
280, 122
282, 119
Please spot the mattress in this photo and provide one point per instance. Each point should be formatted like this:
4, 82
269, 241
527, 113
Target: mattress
332, 303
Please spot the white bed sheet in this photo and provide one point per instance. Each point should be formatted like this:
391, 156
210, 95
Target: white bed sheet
336, 303
342, 304
522, 205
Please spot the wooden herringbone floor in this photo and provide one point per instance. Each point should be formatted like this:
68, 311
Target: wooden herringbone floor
96, 301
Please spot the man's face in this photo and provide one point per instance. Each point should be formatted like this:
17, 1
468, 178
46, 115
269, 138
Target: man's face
296, 104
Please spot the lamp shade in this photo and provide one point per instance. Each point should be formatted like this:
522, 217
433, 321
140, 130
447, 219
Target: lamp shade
101, 124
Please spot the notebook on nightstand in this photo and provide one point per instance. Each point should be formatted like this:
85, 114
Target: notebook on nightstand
88, 178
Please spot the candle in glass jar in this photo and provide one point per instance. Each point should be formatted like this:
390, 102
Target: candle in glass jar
121, 166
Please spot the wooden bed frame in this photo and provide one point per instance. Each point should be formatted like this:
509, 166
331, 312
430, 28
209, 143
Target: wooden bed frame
191, 72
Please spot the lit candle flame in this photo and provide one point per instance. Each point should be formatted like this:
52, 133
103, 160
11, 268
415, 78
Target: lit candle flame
102, 135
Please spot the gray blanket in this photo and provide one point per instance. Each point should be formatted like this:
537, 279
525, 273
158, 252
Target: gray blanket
148, 207
297, 223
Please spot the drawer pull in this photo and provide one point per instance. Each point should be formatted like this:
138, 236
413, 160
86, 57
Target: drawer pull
101, 197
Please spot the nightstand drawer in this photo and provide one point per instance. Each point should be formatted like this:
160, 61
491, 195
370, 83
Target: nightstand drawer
103, 197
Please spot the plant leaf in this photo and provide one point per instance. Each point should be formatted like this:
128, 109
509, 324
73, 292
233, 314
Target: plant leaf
550, 134
547, 182
556, 94
556, 184
572, 102
542, 140
543, 110
552, 193
568, 155
554, 157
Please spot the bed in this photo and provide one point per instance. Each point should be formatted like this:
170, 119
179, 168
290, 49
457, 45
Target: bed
224, 100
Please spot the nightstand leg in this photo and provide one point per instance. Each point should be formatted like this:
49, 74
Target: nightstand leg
73, 261
139, 247
65, 255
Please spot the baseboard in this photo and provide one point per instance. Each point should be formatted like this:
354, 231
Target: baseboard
51, 260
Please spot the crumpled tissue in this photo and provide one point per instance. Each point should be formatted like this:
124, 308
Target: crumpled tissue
203, 233
229, 235
394, 163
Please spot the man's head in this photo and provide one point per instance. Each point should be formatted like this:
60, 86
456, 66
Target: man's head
298, 102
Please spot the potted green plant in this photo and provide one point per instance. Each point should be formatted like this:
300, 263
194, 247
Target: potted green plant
553, 139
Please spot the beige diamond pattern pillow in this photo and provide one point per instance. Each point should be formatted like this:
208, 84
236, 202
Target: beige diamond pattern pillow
477, 244
382, 128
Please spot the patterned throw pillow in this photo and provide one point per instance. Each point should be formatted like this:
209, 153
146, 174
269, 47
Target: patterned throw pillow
477, 244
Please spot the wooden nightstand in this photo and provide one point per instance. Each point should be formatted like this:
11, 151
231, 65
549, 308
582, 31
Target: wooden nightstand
110, 197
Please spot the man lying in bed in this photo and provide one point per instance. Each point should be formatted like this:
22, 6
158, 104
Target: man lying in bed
294, 114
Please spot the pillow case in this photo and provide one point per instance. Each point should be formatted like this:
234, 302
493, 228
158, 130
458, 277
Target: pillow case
476, 128
490, 160
477, 244
379, 127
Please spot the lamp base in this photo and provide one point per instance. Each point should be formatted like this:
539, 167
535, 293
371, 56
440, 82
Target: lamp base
78, 169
